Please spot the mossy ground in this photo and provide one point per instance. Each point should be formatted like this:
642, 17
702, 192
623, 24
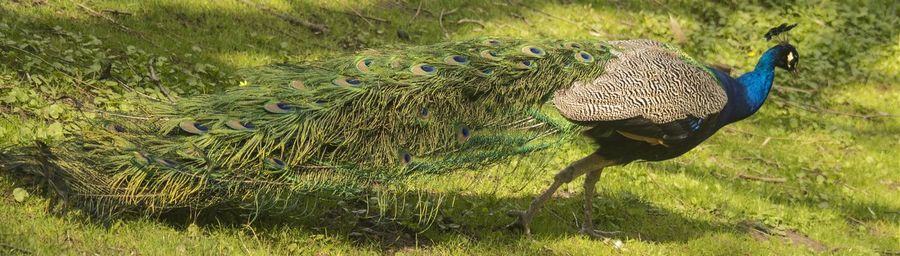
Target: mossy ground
828, 137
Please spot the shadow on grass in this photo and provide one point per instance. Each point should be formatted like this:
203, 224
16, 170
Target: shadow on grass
623, 213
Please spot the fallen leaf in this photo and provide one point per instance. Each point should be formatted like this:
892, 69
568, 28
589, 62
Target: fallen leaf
20, 194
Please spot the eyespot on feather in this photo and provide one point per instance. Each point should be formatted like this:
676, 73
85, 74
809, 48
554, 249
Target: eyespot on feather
344, 81
363, 65
486, 72
423, 112
423, 69
572, 45
193, 127
525, 64
405, 158
274, 163
298, 84
240, 126
463, 134
456, 60
115, 128
491, 42
584, 57
278, 108
490, 55
533, 51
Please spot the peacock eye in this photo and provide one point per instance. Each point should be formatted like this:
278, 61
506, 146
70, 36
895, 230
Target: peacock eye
491, 42
490, 55
240, 126
525, 64
584, 57
463, 134
347, 82
423, 112
457, 60
115, 128
278, 108
572, 45
405, 158
423, 69
193, 127
533, 51
298, 84
486, 72
363, 65
275, 163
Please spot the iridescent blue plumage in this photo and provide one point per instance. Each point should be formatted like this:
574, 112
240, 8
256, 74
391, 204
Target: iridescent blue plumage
748, 92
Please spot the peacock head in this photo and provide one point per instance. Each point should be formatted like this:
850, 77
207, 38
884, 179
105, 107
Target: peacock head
786, 55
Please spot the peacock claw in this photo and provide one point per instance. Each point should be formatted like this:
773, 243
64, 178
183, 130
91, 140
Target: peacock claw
521, 223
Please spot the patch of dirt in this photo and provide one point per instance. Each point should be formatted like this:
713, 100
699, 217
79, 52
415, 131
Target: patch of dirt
891, 184
762, 232
796, 237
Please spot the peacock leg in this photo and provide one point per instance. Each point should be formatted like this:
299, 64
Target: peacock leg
590, 186
587, 164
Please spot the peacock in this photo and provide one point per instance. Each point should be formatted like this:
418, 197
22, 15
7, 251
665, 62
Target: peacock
354, 124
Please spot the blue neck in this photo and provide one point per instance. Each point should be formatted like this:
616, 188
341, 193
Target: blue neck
753, 87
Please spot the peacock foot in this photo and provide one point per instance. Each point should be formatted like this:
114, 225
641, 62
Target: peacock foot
522, 222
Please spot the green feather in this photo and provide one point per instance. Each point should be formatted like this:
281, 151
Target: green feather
336, 125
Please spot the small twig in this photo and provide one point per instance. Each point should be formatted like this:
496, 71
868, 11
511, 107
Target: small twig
367, 17
479, 22
114, 22
766, 141
441, 22
294, 21
549, 15
123, 84
763, 179
519, 16
355, 12
418, 10
122, 115
117, 12
155, 79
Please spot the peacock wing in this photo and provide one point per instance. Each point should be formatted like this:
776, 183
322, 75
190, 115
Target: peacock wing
647, 89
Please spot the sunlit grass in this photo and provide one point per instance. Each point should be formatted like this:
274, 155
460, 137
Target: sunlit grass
840, 171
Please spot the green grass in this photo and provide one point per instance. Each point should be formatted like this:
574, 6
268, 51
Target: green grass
832, 132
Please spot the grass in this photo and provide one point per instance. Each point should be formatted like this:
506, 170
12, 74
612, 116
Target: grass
830, 135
